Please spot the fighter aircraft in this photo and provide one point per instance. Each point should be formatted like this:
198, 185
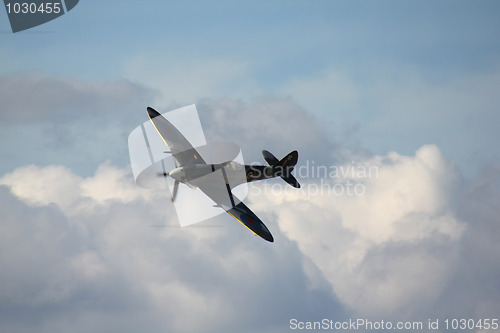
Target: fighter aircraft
217, 180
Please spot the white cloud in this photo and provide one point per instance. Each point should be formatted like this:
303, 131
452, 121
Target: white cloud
42, 186
80, 248
111, 183
55, 184
377, 250
75, 249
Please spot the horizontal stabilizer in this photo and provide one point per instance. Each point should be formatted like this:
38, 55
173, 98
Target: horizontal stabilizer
270, 158
284, 167
290, 179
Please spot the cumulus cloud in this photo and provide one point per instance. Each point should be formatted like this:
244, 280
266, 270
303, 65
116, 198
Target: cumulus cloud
79, 252
55, 184
476, 274
390, 250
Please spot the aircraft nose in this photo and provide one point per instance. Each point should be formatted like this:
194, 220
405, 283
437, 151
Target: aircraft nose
177, 174
152, 113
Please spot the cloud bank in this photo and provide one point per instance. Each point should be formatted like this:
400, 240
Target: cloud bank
81, 252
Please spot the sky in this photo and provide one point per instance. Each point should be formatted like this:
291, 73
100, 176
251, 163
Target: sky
408, 90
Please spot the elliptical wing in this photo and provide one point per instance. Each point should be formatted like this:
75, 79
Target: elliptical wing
177, 144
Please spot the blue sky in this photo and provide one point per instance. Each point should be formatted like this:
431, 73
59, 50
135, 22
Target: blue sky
408, 87
363, 55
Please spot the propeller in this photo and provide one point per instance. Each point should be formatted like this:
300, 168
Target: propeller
176, 185
176, 182
174, 193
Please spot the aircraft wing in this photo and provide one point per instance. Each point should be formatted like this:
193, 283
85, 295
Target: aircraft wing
246, 217
217, 187
177, 144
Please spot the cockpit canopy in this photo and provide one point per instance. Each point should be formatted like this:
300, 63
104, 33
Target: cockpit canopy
233, 165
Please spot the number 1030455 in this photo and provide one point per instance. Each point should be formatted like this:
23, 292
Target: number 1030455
470, 324
32, 8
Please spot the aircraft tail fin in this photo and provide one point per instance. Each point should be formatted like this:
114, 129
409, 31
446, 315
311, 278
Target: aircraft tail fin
283, 167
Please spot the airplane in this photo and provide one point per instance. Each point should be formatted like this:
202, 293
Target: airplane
217, 180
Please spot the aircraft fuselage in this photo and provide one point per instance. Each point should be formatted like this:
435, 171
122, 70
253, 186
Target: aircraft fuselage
232, 171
